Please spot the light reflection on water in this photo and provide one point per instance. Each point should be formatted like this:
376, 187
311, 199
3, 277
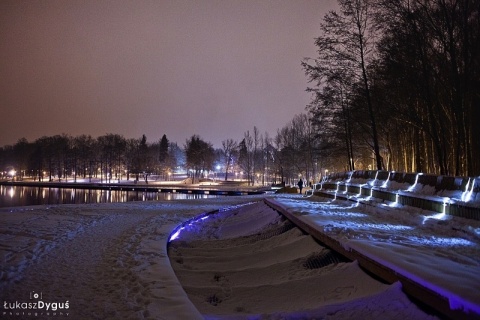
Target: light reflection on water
14, 196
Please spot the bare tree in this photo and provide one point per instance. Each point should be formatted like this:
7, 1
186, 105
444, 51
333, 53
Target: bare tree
347, 45
229, 149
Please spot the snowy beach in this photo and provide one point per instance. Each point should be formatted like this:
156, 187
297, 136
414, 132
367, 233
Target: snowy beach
109, 261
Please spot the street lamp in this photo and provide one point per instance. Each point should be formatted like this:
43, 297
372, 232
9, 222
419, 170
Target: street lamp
12, 173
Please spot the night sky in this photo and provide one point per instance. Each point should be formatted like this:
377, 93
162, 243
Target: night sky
212, 68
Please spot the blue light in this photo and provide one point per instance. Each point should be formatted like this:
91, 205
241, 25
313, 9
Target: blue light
415, 184
438, 216
176, 234
189, 223
372, 183
384, 185
467, 194
395, 204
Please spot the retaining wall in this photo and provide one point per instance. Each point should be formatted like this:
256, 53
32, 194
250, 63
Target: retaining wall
346, 182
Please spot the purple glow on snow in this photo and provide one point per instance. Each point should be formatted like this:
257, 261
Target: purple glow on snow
442, 242
345, 214
373, 226
387, 227
438, 216
176, 234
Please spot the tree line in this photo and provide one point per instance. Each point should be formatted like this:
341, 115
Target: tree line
395, 85
107, 157
255, 159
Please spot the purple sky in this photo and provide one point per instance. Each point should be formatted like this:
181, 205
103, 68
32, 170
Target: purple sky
212, 68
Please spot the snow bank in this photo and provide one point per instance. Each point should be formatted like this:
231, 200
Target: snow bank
253, 273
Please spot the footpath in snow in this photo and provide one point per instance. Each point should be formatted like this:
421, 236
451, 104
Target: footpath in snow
98, 261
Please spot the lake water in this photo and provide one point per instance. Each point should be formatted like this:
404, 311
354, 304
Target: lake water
13, 196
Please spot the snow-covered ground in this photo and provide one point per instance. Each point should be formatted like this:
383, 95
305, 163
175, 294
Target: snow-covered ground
109, 261
98, 261
438, 251
249, 263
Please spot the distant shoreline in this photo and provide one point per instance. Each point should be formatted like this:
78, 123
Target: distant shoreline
213, 188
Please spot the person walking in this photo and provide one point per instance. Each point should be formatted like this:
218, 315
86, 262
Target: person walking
300, 185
